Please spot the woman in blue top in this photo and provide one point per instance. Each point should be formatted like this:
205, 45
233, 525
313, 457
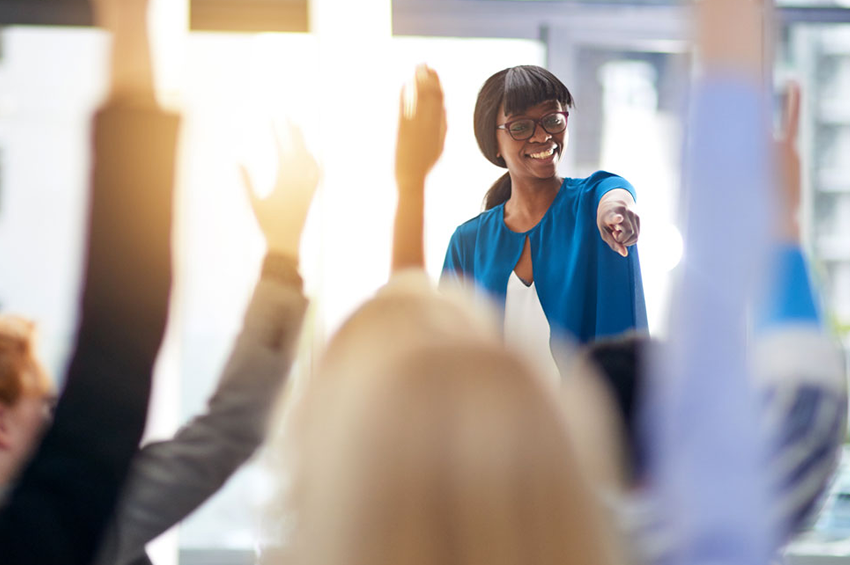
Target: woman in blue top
568, 237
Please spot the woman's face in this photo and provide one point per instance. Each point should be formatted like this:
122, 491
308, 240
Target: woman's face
538, 156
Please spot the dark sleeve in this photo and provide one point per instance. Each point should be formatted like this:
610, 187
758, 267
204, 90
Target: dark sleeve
66, 494
619, 279
170, 479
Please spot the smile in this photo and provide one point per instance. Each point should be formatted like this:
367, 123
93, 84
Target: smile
543, 154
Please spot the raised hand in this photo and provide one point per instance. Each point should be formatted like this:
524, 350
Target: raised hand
730, 34
618, 221
421, 128
131, 68
788, 166
282, 214
421, 135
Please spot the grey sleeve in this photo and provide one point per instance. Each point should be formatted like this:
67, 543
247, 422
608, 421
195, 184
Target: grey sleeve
170, 479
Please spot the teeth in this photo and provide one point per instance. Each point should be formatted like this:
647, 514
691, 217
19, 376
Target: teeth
543, 154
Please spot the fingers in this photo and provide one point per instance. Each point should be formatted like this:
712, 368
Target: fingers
616, 246
294, 158
408, 101
289, 139
427, 79
422, 94
422, 125
792, 112
249, 187
607, 235
428, 99
620, 230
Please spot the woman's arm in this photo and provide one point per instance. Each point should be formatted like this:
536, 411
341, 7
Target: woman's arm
708, 455
170, 479
618, 220
58, 510
421, 135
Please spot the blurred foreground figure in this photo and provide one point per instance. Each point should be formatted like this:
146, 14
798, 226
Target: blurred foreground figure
797, 369
169, 479
705, 420
59, 507
420, 439
800, 382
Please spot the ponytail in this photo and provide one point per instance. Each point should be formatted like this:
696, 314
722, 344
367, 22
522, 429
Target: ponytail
499, 193
511, 91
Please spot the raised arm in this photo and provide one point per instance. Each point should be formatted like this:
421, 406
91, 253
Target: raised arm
708, 460
131, 70
57, 512
798, 365
170, 479
421, 135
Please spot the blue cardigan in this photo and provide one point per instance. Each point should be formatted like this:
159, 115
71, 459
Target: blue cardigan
586, 289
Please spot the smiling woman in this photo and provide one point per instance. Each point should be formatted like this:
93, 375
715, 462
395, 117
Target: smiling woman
553, 252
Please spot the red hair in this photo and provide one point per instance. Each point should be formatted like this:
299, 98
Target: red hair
20, 370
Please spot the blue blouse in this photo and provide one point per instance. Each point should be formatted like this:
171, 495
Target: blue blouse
586, 289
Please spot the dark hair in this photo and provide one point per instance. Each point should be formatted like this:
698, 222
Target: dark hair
621, 360
518, 88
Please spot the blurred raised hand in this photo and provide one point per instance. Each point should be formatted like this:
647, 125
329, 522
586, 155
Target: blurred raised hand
282, 214
788, 166
421, 135
730, 34
131, 67
421, 128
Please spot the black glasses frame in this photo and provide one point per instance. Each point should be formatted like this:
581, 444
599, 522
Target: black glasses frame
507, 125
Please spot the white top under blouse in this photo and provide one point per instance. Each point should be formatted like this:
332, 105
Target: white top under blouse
527, 328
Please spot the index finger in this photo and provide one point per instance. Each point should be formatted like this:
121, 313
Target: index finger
427, 81
613, 219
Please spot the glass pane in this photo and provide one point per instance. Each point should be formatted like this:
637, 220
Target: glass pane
45, 107
819, 57
818, 3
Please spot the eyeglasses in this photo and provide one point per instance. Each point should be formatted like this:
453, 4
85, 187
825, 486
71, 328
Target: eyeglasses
524, 128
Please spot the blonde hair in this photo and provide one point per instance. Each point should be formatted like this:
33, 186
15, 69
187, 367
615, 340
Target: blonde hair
21, 372
424, 442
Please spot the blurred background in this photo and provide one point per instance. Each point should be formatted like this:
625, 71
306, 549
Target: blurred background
335, 67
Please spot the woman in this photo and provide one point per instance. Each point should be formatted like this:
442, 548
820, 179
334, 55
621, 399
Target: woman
536, 250
420, 440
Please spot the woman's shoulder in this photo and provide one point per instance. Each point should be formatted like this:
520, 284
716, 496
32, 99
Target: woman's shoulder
472, 226
597, 184
595, 179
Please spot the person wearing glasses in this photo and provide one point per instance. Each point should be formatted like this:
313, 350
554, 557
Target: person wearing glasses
557, 253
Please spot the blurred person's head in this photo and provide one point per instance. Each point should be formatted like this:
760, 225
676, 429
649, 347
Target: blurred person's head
424, 442
621, 362
526, 149
25, 395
